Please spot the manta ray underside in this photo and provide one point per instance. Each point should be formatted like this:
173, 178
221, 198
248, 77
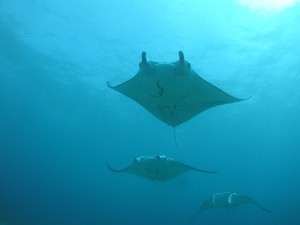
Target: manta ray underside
156, 168
172, 92
226, 200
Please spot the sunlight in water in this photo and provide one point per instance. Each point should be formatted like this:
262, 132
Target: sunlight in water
268, 6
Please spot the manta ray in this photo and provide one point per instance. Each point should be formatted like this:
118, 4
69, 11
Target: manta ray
226, 200
172, 92
156, 168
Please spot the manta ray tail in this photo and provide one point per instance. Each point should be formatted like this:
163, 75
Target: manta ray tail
175, 138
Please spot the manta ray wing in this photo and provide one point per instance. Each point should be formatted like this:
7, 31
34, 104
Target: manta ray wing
243, 199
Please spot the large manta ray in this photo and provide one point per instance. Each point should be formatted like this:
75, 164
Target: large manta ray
226, 200
156, 168
172, 92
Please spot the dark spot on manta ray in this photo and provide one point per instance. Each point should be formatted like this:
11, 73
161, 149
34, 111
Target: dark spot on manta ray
158, 85
163, 107
161, 89
172, 81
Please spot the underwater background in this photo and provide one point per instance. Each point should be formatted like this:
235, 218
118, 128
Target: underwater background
60, 124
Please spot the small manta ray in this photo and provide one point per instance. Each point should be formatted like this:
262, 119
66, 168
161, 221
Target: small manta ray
226, 200
156, 168
172, 92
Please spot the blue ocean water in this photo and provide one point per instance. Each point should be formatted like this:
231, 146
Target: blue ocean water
60, 124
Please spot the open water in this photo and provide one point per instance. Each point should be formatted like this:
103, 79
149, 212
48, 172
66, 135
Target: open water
60, 124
